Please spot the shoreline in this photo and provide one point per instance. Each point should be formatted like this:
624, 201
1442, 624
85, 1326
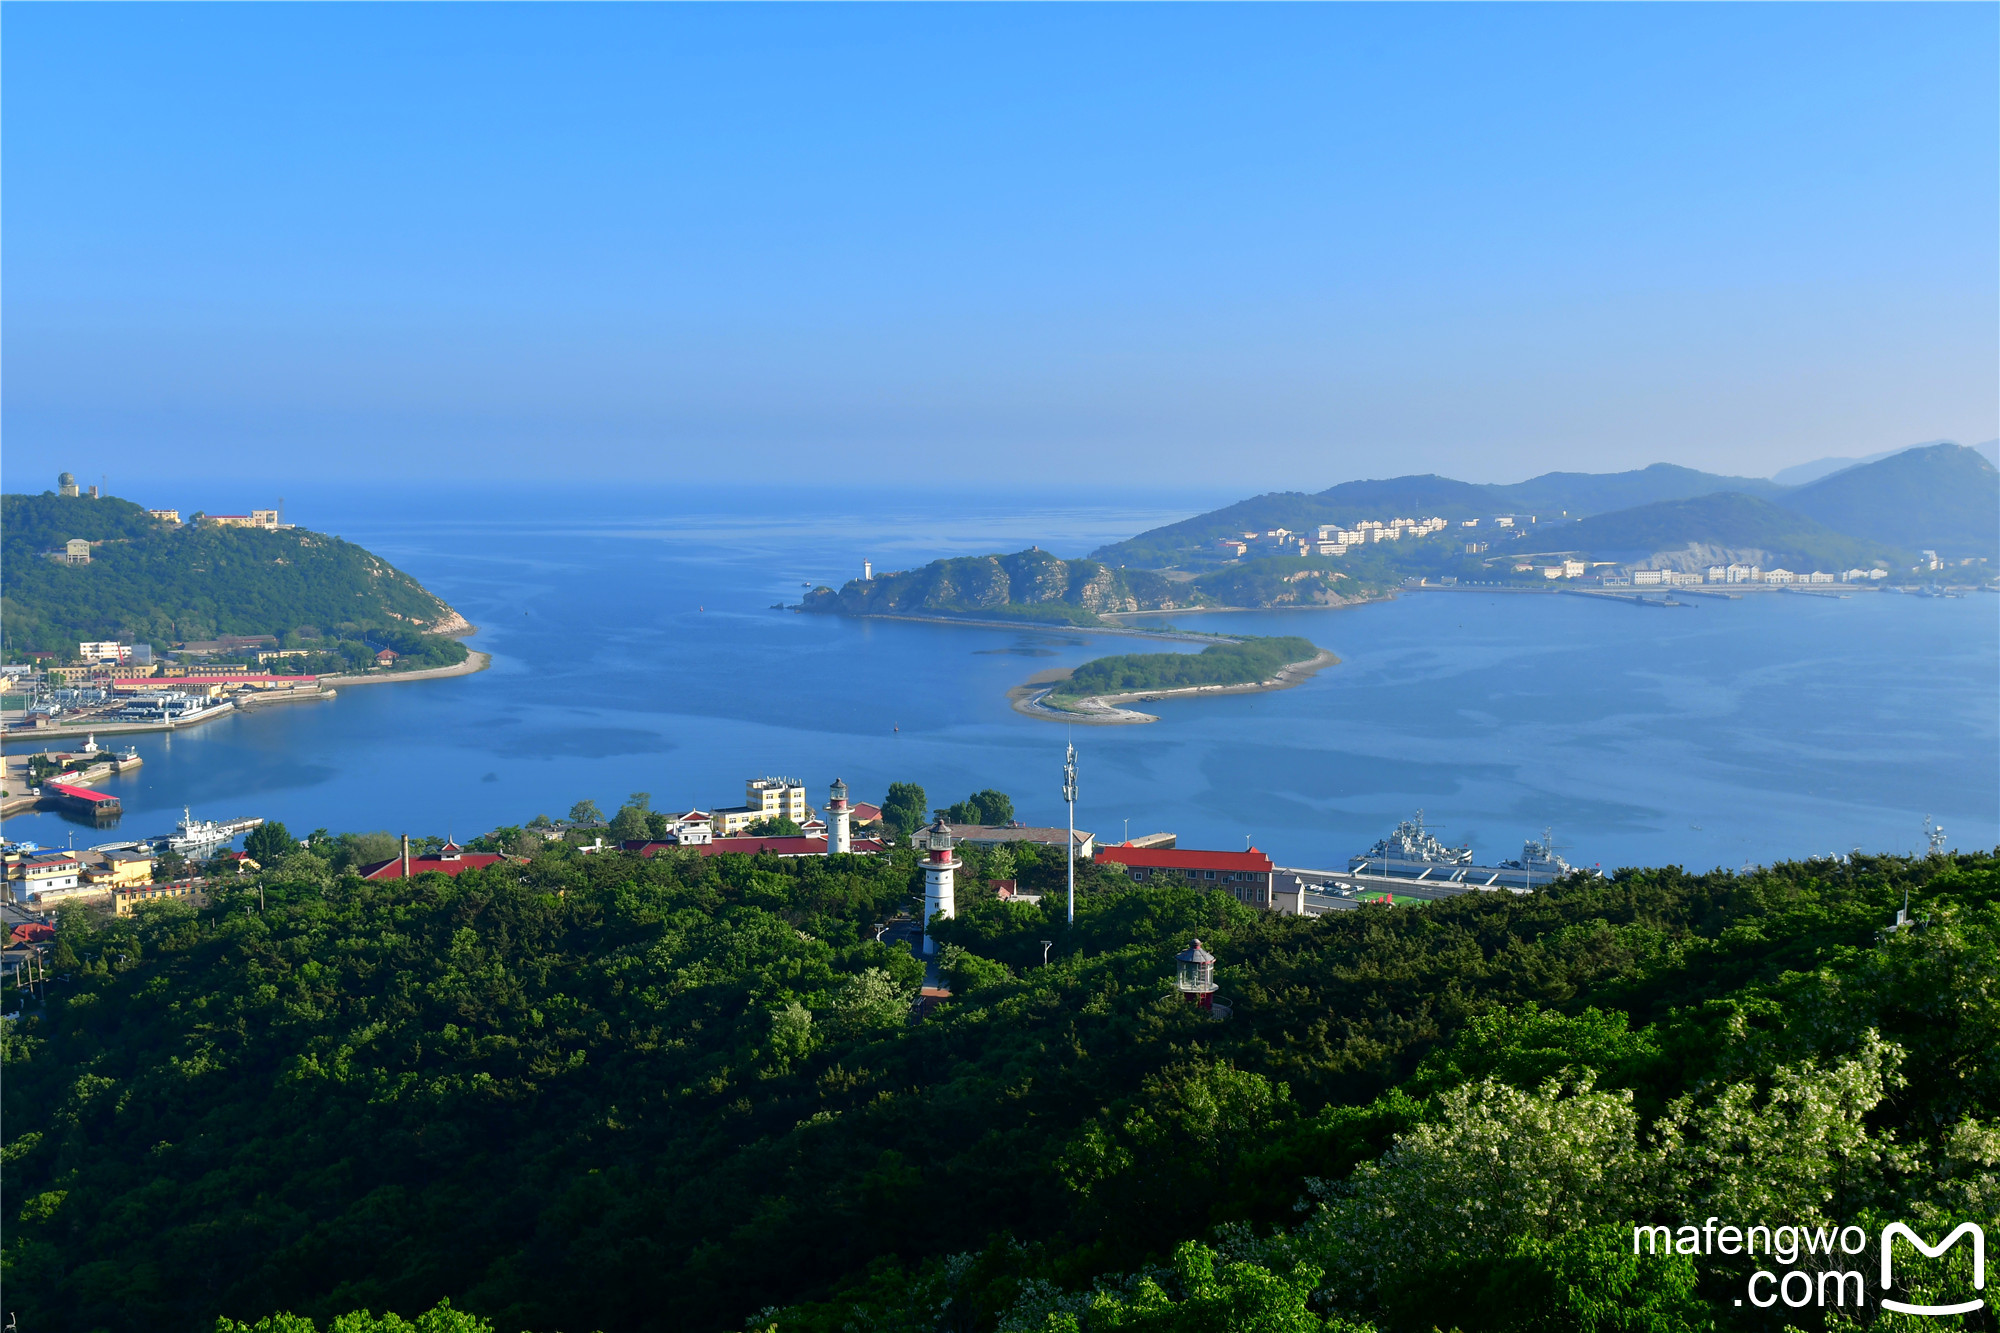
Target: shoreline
1104, 710
474, 661
250, 702
1387, 596
1054, 627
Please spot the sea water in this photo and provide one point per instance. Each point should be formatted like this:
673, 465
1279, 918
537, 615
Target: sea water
637, 647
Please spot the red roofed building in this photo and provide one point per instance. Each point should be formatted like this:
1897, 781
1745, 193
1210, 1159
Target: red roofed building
450, 859
97, 803
1246, 875
864, 813
258, 679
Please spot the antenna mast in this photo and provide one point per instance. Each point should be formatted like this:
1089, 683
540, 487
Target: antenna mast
1069, 798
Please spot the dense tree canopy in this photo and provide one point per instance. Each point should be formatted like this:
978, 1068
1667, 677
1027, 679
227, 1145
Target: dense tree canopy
605, 1092
1244, 663
905, 807
982, 807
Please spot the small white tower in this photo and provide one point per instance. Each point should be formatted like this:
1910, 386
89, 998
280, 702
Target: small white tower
939, 863
837, 839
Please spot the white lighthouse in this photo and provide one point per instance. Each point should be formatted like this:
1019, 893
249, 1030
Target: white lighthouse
939, 863
837, 838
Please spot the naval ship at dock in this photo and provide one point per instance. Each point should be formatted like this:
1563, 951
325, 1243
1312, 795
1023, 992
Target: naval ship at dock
1412, 860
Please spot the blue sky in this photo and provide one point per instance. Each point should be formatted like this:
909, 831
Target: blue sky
1242, 246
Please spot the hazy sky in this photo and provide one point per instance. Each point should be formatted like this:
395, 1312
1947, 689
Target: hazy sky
1244, 246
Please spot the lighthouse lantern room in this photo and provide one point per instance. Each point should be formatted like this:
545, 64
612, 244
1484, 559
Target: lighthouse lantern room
939, 863
1195, 974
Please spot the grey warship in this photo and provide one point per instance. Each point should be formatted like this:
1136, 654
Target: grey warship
1414, 857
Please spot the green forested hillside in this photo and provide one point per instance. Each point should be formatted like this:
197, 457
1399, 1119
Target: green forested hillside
1027, 585
161, 583
1034, 585
606, 1093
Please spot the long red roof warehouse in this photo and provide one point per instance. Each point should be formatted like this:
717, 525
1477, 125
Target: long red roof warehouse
1178, 858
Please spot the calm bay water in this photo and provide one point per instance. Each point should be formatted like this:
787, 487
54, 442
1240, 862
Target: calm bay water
635, 649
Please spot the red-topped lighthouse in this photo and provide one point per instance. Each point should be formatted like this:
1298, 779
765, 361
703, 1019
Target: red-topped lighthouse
939, 863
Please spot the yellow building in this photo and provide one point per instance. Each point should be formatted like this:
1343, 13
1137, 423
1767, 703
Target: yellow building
166, 515
763, 798
187, 890
117, 870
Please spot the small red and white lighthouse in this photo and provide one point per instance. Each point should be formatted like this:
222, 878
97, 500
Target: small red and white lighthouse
939, 863
838, 840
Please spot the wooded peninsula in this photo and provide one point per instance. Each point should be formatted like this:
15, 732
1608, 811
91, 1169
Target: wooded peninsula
147, 580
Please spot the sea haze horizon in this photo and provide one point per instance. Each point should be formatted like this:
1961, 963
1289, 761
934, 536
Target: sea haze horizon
636, 648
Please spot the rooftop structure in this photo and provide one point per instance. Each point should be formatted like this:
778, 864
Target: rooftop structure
449, 859
763, 798
997, 835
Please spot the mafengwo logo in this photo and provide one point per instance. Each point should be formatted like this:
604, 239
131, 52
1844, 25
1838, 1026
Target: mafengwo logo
1824, 1285
1895, 1229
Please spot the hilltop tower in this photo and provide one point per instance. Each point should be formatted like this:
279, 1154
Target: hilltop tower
66, 484
837, 839
939, 863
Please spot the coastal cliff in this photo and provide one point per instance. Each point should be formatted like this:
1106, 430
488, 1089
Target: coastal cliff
1030, 585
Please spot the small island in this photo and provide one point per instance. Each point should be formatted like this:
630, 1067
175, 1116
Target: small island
1094, 692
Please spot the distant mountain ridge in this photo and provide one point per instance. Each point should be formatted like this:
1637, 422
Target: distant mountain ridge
1551, 494
1804, 474
1944, 497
